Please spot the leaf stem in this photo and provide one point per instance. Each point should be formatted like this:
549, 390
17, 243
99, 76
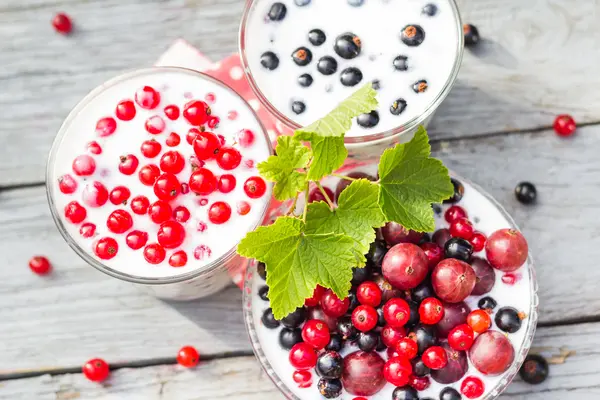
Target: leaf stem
325, 194
344, 177
293, 207
305, 203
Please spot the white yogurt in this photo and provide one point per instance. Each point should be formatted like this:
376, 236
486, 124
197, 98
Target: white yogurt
378, 24
486, 218
176, 86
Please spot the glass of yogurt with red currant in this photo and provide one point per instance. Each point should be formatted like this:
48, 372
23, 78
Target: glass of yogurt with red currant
445, 315
152, 179
303, 57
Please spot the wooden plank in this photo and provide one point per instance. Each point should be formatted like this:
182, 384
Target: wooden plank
535, 59
242, 378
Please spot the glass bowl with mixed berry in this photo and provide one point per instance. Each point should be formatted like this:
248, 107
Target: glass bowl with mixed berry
444, 315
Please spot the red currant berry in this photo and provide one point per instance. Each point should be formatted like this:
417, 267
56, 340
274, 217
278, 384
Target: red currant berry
202, 251
106, 248
119, 195
228, 158
136, 239
95, 194
206, 145
316, 333
219, 212
431, 311
509, 278
172, 162
154, 253
472, 387
226, 183
181, 214
39, 265
155, 125
303, 356
188, 357
419, 383
434, 253
564, 125
87, 230
171, 234
462, 228
245, 137
364, 318
62, 23
192, 135
232, 115
172, 112
397, 371
478, 241
75, 213
106, 126
369, 293
407, 348
119, 221
96, 370
147, 98
151, 148
178, 259
185, 188
84, 165
173, 140
196, 112
255, 187
125, 110
396, 312
461, 337
67, 184
332, 305
391, 336
203, 182
149, 174
213, 122
140, 205
128, 164
316, 297
479, 321
435, 357
160, 211
210, 97
167, 187
243, 208
94, 148
454, 213
302, 378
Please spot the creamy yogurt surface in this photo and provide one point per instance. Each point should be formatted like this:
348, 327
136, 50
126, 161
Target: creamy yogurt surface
204, 241
487, 218
377, 26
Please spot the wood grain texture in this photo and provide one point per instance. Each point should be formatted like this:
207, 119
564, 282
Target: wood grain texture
89, 314
535, 61
242, 378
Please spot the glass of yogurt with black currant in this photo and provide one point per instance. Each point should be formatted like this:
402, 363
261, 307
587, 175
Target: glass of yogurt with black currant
445, 315
152, 179
303, 57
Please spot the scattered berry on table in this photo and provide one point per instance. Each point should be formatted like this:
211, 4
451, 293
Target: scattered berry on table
564, 125
534, 370
62, 23
188, 357
40, 265
471, 34
96, 370
526, 192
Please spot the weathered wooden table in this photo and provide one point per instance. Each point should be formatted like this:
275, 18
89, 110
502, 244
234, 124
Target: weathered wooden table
538, 58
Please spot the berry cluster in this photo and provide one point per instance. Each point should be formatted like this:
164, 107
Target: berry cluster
162, 166
405, 321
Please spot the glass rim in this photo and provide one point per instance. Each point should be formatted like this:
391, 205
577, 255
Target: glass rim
509, 374
51, 189
373, 137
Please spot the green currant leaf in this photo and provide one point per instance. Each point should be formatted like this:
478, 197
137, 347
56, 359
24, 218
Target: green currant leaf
283, 168
410, 181
329, 155
298, 261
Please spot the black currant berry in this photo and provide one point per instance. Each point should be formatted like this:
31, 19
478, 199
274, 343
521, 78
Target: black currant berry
471, 35
359, 275
429, 10
316, 37
305, 80
289, 337
487, 303
335, 343
401, 63
425, 336
450, 394
302, 56
508, 319
412, 35
295, 319
330, 388
367, 341
368, 120
261, 270
398, 106
347, 46
459, 191
277, 11
327, 65
419, 367
526, 193
377, 251
329, 365
423, 291
268, 319
263, 293
535, 369
405, 393
351, 76
346, 329
414, 314
458, 248
298, 107
420, 86
269, 60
